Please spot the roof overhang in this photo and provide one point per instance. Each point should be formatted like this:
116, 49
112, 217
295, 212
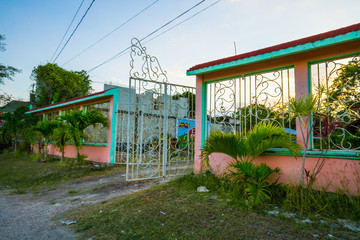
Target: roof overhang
73, 101
227, 63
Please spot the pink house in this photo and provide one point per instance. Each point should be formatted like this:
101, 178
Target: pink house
101, 144
234, 93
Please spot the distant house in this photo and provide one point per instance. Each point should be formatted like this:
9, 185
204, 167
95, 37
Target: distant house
11, 106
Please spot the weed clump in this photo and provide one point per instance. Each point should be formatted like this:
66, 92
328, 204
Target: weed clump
305, 201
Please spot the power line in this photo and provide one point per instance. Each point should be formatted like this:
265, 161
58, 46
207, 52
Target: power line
67, 29
182, 22
117, 28
87, 10
118, 54
125, 52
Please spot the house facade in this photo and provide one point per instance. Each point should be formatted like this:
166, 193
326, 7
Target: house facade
101, 143
242, 90
139, 115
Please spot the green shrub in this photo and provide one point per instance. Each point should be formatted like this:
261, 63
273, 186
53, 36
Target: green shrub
304, 201
256, 179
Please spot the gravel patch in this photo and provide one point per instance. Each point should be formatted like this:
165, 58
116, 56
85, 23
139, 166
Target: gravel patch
38, 216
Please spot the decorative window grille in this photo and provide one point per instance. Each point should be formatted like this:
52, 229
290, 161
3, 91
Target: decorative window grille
67, 111
338, 100
52, 115
98, 133
237, 104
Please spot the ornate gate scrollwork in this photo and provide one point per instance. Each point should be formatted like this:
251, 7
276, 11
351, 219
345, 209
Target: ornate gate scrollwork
159, 119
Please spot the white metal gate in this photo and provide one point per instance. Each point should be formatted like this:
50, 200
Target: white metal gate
156, 127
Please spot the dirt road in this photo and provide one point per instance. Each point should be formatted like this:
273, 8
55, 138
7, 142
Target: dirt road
37, 216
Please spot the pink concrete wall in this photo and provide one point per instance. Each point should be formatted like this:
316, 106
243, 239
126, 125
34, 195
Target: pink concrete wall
337, 174
93, 153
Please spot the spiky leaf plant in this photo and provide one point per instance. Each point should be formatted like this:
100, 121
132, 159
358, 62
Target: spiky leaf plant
262, 137
243, 149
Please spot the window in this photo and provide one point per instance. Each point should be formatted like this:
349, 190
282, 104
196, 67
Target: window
337, 85
97, 133
52, 115
237, 104
66, 111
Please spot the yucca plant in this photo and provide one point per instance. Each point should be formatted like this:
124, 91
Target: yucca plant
303, 108
243, 149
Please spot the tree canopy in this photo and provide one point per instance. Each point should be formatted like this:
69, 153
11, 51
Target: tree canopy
191, 97
344, 91
6, 71
17, 125
54, 84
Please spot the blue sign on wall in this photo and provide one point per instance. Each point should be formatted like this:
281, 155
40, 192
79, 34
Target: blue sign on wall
185, 126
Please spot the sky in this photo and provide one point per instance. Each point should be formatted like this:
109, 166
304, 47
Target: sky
34, 29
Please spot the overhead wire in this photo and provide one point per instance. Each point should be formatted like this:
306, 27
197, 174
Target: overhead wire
82, 18
67, 30
117, 28
158, 29
125, 52
182, 22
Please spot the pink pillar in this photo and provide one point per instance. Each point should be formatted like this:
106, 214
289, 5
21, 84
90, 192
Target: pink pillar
198, 124
111, 155
301, 90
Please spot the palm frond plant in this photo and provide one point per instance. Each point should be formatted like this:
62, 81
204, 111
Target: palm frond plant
77, 122
262, 137
61, 136
243, 149
45, 128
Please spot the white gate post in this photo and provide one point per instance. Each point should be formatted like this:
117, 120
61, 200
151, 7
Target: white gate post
165, 129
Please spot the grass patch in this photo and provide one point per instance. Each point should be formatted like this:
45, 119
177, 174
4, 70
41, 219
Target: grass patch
177, 211
24, 171
76, 192
315, 203
19, 191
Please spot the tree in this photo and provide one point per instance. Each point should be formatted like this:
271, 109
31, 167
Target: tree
5, 99
55, 84
46, 129
191, 98
16, 126
344, 90
76, 123
6, 71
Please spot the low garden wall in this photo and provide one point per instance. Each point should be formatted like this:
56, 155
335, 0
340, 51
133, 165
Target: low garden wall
94, 153
337, 174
